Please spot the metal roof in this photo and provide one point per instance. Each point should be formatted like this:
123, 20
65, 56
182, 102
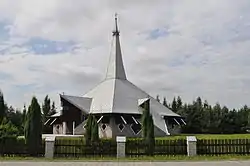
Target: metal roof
83, 103
118, 95
122, 96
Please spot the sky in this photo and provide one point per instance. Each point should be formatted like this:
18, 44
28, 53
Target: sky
186, 48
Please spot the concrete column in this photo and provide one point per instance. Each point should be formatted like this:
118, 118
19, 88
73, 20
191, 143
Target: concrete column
73, 128
49, 146
64, 128
121, 144
191, 146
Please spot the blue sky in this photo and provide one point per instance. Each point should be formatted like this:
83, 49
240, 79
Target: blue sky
191, 47
44, 47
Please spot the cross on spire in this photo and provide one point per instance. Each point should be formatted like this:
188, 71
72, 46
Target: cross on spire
116, 31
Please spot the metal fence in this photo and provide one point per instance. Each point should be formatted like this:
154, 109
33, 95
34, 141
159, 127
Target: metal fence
223, 146
134, 147
78, 148
162, 147
17, 147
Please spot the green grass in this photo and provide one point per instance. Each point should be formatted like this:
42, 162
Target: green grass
208, 136
224, 136
182, 136
145, 158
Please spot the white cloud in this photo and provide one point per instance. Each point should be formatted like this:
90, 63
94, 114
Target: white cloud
205, 53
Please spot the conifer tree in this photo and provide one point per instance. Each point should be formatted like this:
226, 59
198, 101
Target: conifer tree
91, 133
179, 103
158, 98
174, 105
145, 117
165, 102
150, 139
46, 108
53, 109
2, 107
33, 127
148, 129
94, 131
248, 119
88, 127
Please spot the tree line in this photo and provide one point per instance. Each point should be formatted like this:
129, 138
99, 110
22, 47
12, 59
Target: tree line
201, 117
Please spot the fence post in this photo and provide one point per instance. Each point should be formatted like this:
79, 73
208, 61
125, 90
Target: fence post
121, 144
191, 146
49, 146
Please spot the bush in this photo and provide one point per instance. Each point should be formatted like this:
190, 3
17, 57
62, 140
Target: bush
7, 130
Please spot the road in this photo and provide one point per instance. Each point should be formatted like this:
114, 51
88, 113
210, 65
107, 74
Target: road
214, 163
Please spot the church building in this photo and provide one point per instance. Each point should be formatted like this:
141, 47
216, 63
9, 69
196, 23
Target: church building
116, 103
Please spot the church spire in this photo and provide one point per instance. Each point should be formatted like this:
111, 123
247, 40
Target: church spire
115, 68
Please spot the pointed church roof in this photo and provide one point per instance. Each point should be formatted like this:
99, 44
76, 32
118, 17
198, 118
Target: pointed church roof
115, 68
118, 95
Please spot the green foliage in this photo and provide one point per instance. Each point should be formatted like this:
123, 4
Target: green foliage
178, 104
148, 129
145, 117
201, 117
91, 130
7, 130
53, 109
2, 107
94, 132
46, 108
74, 147
174, 105
158, 98
165, 102
33, 127
15, 117
88, 127
248, 119
10, 115
150, 139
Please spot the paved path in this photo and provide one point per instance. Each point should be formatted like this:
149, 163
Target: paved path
215, 163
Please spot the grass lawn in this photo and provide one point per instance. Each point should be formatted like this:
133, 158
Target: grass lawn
209, 136
182, 136
145, 158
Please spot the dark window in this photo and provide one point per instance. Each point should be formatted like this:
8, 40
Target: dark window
121, 127
104, 126
136, 128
